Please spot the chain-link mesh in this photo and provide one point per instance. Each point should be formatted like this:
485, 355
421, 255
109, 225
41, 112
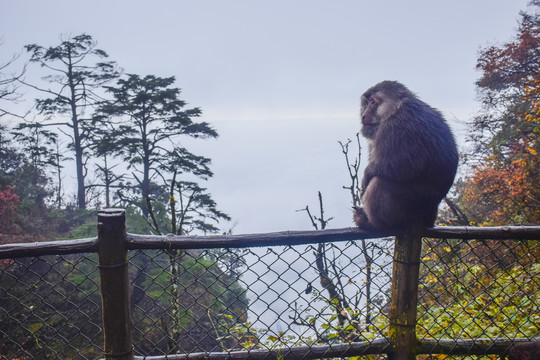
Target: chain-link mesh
213, 300
479, 289
50, 308
259, 298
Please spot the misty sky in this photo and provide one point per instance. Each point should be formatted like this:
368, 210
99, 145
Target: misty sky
281, 80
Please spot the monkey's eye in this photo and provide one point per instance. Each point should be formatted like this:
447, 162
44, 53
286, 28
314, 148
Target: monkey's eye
372, 101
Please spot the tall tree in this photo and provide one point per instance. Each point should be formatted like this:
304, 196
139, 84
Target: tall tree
192, 209
105, 146
10, 157
505, 183
23, 173
39, 144
76, 78
150, 122
9, 82
32, 177
152, 119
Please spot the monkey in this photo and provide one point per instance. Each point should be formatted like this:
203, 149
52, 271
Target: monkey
525, 351
413, 159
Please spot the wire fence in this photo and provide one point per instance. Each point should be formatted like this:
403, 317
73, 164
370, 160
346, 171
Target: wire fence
318, 299
50, 308
256, 298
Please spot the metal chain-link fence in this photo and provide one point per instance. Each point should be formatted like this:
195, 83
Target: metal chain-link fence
50, 308
215, 300
479, 289
238, 299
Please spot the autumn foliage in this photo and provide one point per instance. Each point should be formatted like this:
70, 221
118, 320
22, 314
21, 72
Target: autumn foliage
8, 213
504, 186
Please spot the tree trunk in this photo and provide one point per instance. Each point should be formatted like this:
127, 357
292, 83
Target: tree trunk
77, 143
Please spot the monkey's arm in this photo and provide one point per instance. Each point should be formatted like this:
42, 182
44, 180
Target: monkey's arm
405, 153
369, 173
399, 169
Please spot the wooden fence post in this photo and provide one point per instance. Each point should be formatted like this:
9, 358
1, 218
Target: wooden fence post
113, 268
403, 307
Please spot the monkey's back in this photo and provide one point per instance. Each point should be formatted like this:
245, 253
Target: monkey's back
417, 145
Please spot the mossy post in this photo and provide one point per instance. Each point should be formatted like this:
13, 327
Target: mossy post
113, 266
405, 272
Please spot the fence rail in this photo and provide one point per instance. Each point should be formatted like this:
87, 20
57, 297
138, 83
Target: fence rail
283, 238
140, 291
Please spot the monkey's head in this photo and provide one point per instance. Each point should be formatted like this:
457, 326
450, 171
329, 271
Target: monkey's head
379, 103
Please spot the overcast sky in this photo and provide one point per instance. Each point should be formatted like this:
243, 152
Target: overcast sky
281, 80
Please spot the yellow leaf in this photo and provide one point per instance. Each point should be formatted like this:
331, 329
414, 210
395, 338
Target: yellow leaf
273, 338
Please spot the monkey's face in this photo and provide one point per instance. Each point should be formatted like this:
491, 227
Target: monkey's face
375, 108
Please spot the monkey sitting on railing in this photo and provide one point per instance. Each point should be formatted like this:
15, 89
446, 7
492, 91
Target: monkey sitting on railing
412, 159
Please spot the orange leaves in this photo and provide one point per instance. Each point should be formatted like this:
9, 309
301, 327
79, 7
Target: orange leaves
504, 184
531, 150
532, 96
504, 192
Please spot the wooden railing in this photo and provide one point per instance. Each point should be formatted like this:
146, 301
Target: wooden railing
113, 243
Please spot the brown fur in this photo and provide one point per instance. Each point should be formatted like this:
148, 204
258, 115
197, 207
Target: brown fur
412, 159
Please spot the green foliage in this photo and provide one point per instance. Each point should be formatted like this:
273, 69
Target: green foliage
10, 157
50, 308
38, 143
75, 223
149, 119
138, 127
507, 304
136, 223
462, 296
193, 209
207, 300
27, 179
